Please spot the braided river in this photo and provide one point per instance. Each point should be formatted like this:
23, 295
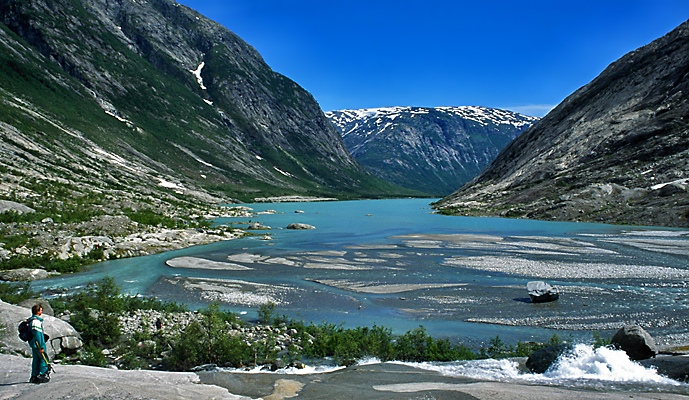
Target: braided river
396, 263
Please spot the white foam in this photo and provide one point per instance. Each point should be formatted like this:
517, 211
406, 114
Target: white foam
308, 370
603, 364
584, 366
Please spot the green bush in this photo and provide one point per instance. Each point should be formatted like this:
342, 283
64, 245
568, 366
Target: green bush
15, 293
93, 355
416, 345
151, 218
141, 351
209, 342
46, 262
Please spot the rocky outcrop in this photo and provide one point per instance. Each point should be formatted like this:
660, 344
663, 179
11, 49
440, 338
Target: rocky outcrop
614, 151
432, 150
23, 275
13, 206
636, 342
63, 338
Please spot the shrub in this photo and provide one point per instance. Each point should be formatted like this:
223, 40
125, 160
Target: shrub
208, 342
15, 293
95, 313
93, 355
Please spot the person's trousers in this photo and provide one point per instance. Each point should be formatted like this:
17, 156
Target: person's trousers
38, 365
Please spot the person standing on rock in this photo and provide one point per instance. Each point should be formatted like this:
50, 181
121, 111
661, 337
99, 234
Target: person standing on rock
39, 367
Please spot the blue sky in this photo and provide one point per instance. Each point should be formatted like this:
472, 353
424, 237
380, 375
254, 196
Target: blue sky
526, 56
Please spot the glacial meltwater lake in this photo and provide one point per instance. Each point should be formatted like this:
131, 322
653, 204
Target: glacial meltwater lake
395, 263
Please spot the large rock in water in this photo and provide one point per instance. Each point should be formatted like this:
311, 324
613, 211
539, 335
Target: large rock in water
541, 292
299, 226
636, 342
63, 337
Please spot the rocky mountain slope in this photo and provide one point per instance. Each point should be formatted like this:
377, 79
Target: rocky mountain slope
434, 150
616, 150
125, 99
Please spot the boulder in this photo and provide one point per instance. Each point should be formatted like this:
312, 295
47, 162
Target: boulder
23, 274
541, 292
636, 342
63, 337
542, 359
47, 308
295, 225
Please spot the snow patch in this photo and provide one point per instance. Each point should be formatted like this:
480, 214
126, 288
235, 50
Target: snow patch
171, 185
287, 174
197, 74
662, 185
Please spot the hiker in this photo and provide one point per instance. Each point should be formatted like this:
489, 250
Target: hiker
39, 367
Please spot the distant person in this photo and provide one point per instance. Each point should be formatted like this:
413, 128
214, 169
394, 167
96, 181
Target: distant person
39, 367
159, 324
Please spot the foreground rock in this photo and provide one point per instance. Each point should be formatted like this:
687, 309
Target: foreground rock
374, 382
80, 382
674, 367
636, 342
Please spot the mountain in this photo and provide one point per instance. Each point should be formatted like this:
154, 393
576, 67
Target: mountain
434, 150
615, 151
122, 98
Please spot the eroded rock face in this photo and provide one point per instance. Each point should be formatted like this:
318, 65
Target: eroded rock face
615, 151
63, 337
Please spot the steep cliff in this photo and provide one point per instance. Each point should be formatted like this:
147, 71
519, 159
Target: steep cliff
152, 97
617, 150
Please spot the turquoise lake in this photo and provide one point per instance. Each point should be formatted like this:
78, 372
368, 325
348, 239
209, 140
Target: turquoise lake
395, 263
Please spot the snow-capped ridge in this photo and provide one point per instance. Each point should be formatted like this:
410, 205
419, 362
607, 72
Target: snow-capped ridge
384, 115
434, 150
